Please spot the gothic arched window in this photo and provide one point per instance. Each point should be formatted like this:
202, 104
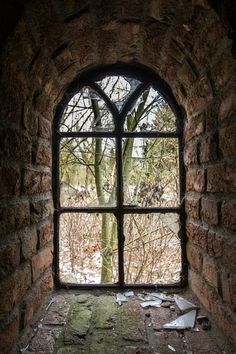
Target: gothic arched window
117, 185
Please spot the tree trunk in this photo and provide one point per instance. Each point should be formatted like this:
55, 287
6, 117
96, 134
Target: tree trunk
106, 252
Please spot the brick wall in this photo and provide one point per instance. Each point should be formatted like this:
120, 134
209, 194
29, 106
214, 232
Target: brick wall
190, 46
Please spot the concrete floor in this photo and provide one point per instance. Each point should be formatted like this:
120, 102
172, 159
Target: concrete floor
93, 323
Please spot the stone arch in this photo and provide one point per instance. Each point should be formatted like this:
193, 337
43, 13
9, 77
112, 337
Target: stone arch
190, 46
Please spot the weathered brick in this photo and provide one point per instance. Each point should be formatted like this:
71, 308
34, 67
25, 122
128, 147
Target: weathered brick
211, 115
205, 46
8, 335
194, 257
43, 155
228, 284
210, 272
40, 262
192, 207
204, 292
210, 211
228, 215
228, 257
228, 104
46, 284
30, 119
215, 175
223, 69
45, 234
31, 182
22, 214
187, 75
195, 180
40, 210
214, 245
194, 127
190, 154
224, 319
7, 220
34, 300
44, 130
14, 288
36, 182
14, 217
208, 148
46, 182
200, 97
230, 178
10, 181
44, 105
29, 242
227, 140
9, 259
15, 146
197, 235
62, 59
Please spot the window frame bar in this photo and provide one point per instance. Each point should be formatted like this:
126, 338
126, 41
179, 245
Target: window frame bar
120, 209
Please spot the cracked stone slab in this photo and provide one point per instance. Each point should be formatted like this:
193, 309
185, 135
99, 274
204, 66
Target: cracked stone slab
132, 322
104, 342
105, 312
78, 323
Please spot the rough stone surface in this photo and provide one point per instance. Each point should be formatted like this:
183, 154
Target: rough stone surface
92, 323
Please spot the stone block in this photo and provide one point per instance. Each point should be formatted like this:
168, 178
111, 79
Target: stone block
40, 262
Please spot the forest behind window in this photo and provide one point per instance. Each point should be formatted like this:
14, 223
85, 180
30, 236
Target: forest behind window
119, 186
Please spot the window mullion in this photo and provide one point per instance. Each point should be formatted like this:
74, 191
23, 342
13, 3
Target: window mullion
120, 207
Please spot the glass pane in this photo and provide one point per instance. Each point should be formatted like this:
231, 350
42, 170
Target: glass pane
88, 248
152, 252
150, 113
151, 172
118, 88
86, 111
87, 172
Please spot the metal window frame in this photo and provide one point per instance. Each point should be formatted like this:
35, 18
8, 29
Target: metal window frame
147, 78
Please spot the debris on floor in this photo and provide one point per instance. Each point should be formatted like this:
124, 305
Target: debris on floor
120, 298
122, 323
185, 321
204, 322
152, 303
171, 348
184, 305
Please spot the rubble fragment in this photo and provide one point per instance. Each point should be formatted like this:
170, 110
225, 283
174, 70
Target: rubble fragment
204, 322
152, 303
182, 322
120, 298
129, 293
184, 305
162, 296
171, 348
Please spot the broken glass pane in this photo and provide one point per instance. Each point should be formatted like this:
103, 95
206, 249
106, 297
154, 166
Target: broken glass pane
88, 248
152, 250
118, 88
86, 111
182, 322
150, 113
87, 172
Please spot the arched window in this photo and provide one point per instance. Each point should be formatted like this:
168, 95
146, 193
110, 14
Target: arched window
117, 182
